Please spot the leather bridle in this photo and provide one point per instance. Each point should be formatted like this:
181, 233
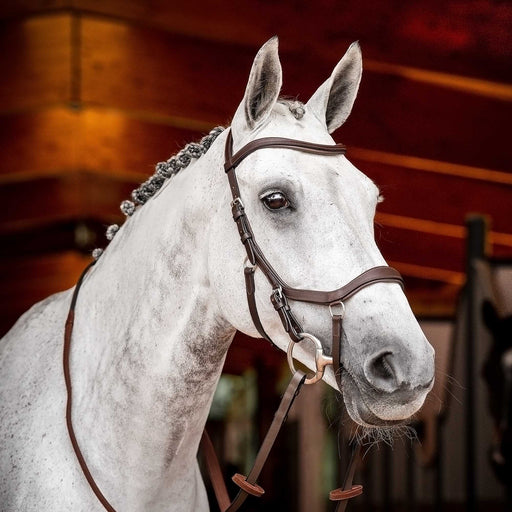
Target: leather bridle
281, 292
280, 297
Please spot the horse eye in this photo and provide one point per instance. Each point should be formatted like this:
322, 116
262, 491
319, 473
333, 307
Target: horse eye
275, 201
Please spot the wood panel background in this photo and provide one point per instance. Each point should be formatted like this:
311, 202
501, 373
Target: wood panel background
94, 93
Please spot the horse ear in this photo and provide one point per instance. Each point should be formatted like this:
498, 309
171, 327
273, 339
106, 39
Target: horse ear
334, 98
489, 314
263, 88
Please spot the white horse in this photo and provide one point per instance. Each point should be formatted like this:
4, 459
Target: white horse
157, 313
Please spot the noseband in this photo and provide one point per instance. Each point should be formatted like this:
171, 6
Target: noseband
281, 292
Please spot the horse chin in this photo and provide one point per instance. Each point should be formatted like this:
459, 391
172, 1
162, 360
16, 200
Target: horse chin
358, 409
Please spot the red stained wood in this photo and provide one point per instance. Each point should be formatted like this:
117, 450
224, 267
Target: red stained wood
39, 141
439, 197
469, 38
36, 62
399, 116
61, 139
26, 281
78, 195
175, 77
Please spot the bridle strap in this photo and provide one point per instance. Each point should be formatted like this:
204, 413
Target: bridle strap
248, 485
250, 290
281, 292
373, 275
69, 404
232, 161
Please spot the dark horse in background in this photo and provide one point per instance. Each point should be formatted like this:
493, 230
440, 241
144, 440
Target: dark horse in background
497, 372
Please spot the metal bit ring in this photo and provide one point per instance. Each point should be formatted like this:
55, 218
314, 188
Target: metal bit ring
321, 360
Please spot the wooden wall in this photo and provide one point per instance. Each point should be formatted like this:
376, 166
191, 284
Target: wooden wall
94, 93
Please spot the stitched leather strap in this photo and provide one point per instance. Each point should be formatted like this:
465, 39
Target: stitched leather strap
69, 404
214, 471
276, 142
248, 485
371, 276
348, 491
250, 290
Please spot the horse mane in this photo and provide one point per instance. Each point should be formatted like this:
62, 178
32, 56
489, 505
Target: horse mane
163, 171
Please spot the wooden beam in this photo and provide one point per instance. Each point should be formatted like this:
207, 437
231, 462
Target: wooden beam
438, 198
78, 195
453, 37
392, 114
59, 139
35, 58
28, 280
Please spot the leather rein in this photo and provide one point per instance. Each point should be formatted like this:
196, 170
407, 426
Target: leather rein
280, 296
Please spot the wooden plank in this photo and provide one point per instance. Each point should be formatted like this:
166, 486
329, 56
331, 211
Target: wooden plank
116, 143
81, 195
26, 281
47, 236
18, 8
393, 114
61, 139
38, 141
471, 38
36, 62
172, 75
439, 198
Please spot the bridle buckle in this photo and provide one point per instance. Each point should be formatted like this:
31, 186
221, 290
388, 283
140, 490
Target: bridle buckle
337, 309
237, 201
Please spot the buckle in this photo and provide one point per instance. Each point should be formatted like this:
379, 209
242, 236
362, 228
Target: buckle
278, 299
337, 308
237, 201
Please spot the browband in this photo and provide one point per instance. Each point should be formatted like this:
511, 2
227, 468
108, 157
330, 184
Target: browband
276, 142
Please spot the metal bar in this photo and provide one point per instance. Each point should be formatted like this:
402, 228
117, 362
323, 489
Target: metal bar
438, 502
475, 250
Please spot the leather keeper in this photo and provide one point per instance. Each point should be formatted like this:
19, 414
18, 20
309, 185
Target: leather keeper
252, 489
245, 237
237, 213
340, 494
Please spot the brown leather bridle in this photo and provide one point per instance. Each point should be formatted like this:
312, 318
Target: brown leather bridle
281, 292
280, 296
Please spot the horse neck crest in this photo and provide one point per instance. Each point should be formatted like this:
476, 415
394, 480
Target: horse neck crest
163, 171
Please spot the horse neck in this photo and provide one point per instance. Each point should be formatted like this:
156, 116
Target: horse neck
149, 345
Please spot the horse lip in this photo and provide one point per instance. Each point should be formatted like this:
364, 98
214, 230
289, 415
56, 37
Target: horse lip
362, 413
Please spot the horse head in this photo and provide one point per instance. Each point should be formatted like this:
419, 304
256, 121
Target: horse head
313, 218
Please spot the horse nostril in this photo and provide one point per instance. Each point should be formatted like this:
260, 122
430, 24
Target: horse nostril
380, 372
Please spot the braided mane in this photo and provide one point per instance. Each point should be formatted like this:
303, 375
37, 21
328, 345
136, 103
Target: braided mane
163, 171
